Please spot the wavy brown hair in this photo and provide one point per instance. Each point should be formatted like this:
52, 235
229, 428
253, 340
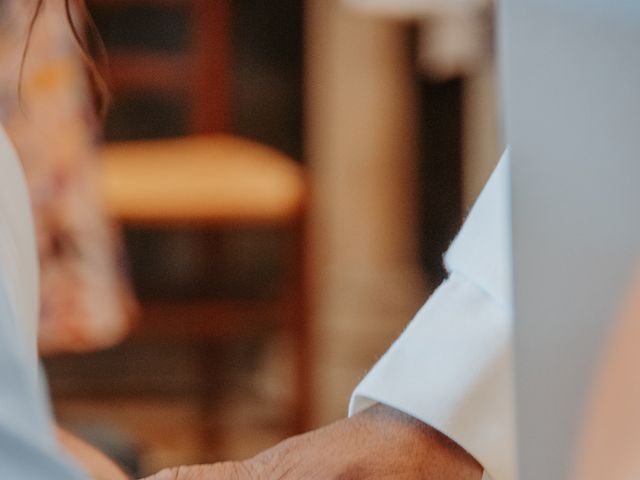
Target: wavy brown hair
95, 67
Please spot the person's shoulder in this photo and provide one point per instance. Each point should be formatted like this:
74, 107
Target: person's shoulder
18, 254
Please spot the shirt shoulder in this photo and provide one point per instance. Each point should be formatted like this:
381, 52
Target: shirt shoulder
28, 449
481, 252
18, 254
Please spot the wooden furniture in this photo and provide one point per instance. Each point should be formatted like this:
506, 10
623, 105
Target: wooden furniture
200, 74
206, 180
216, 182
216, 179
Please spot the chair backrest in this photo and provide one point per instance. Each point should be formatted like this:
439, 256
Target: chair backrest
169, 59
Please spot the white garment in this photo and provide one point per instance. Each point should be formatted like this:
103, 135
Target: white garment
17, 245
451, 368
28, 449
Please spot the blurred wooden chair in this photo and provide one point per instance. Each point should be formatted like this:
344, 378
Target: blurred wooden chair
206, 180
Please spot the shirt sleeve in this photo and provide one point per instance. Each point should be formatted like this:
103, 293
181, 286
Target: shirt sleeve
451, 368
28, 450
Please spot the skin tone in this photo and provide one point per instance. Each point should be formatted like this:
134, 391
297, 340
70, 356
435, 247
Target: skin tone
378, 443
610, 438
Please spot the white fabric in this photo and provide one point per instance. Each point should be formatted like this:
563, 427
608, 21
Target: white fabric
28, 450
17, 244
451, 368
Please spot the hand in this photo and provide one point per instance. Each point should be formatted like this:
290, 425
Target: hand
377, 443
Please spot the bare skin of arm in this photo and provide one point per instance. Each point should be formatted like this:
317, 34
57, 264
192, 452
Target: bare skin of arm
379, 443
94, 462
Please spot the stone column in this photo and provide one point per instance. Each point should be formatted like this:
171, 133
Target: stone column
361, 140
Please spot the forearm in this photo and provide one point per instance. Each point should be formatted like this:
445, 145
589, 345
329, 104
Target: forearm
377, 443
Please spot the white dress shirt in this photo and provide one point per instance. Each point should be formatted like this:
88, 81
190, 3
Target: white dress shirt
28, 449
451, 368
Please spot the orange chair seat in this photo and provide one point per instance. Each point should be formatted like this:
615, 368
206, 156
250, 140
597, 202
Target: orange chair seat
217, 179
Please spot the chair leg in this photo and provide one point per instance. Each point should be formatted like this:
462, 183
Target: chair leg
211, 436
303, 352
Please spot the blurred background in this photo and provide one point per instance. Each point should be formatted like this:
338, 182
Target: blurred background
282, 179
